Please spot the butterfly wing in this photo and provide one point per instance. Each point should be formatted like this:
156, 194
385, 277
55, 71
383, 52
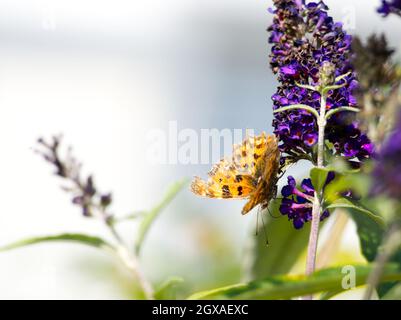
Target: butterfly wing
248, 155
266, 170
241, 176
224, 182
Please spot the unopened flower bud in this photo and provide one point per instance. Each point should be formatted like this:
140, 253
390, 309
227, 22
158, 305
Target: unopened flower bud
327, 74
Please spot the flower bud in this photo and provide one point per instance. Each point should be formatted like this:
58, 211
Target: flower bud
327, 74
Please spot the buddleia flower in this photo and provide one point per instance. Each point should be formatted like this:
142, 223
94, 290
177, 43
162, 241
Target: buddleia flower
311, 52
297, 202
310, 48
390, 6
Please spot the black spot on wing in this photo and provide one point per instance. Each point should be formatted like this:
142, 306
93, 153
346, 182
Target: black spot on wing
226, 191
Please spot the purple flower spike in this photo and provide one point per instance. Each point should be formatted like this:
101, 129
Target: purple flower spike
297, 203
308, 47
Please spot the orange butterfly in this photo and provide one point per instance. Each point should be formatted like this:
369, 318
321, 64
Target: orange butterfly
251, 173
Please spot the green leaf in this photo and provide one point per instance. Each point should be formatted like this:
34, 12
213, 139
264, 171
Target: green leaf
330, 294
357, 182
352, 204
370, 230
70, 237
371, 236
166, 291
286, 287
319, 178
150, 217
132, 216
371, 226
394, 293
283, 237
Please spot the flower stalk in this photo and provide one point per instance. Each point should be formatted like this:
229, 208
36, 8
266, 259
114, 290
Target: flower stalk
131, 262
317, 202
93, 204
311, 56
321, 122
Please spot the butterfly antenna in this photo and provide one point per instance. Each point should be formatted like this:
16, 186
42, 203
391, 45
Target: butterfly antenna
264, 230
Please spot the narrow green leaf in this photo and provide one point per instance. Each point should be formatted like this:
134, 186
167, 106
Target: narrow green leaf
370, 225
371, 236
329, 294
394, 293
351, 204
217, 293
286, 287
132, 216
150, 217
166, 291
70, 237
347, 180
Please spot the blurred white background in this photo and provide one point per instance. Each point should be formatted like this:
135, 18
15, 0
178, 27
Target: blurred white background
103, 73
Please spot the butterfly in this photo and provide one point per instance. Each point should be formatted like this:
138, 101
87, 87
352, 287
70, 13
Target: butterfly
251, 173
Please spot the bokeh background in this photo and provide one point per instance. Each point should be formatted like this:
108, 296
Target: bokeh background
104, 73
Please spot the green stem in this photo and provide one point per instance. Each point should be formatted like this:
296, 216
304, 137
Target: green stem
340, 109
150, 216
333, 87
317, 202
132, 216
339, 78
306, 86
321, 118
298, 106
130, 261
322, 126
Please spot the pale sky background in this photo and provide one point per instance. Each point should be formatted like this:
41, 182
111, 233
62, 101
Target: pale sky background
104, 73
